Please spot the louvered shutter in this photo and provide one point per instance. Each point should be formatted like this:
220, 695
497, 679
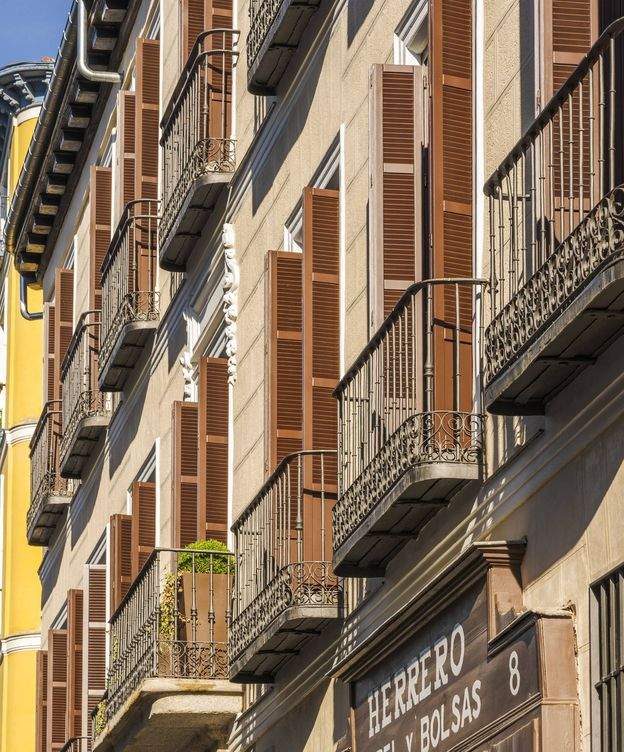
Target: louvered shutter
397, 113
126, 150
120, 560
213, 449
57, 689
147, 121
569, 30
41, 701
143, 524
321, 336
284, 356
94, 640
63, 319
100, 230
49, 361
191, 26
451, 168
147, 144
73, 723
185, 473
321, 359
218, 15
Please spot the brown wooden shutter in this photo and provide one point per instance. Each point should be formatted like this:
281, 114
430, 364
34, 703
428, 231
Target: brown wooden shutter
126, 150
147, 120
63, 319
143, 524
120, 560
185, 473
284, 356
73, 723
218, 15
94, 640
321, 335
397, 114
191, 26
100, 230
321, 359
570, 27
451, 169
49, 364
213, 449
41, 702
57, 689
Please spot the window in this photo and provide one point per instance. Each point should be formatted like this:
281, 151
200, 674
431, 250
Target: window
607, 661
411, 36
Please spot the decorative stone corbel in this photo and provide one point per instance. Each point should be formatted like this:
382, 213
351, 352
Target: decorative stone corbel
231, 279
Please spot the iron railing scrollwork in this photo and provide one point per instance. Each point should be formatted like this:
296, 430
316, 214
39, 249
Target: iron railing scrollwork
196, 127
555, 204
129, 273
45, 478
262, 14
406, 401
79, 373
283, 547
172, 623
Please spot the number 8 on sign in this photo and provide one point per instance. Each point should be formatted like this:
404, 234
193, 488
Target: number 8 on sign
514, 673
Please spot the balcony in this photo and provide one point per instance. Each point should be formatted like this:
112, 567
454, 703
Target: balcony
50, 494
285, 587
556, 205
129, 300
77, 744
275, 31
198, 152
167, 684
408, 440
86, 410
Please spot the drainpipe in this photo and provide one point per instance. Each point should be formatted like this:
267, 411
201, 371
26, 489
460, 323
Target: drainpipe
28, 315
104, 77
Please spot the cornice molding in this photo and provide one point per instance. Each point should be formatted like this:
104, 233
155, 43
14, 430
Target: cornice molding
19, 433
19, 643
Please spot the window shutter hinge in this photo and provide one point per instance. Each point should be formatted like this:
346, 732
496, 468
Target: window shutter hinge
538, 101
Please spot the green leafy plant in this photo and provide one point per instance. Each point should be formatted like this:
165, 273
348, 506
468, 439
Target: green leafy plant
220, 562
99, 720
217, 563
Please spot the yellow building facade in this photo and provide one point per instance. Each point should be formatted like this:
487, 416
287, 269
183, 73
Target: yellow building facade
21, 400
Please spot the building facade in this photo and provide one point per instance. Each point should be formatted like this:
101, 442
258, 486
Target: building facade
22, 87
330, 453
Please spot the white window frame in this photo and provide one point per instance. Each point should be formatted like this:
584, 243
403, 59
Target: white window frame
413, 27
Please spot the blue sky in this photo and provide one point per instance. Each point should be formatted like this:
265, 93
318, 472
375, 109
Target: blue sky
30, 29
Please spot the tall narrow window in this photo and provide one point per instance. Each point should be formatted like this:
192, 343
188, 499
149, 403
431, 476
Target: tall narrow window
185, 473
607, 661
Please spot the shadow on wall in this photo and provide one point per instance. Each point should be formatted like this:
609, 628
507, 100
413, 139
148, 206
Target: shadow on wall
263, 178
84, 502
357, 13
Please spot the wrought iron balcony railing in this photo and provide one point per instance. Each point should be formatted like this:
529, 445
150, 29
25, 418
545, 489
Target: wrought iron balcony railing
198, 150
172, 623
86, 410
276, 28
49, 492
556, 209
408, 438
129, 299
77, 744
285, 586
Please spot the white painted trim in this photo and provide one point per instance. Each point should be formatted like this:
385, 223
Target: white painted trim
20, 433
158, 511
342, 248
20, 642
410, 26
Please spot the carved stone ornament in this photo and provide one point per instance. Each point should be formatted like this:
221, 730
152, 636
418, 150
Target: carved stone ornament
231, 279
